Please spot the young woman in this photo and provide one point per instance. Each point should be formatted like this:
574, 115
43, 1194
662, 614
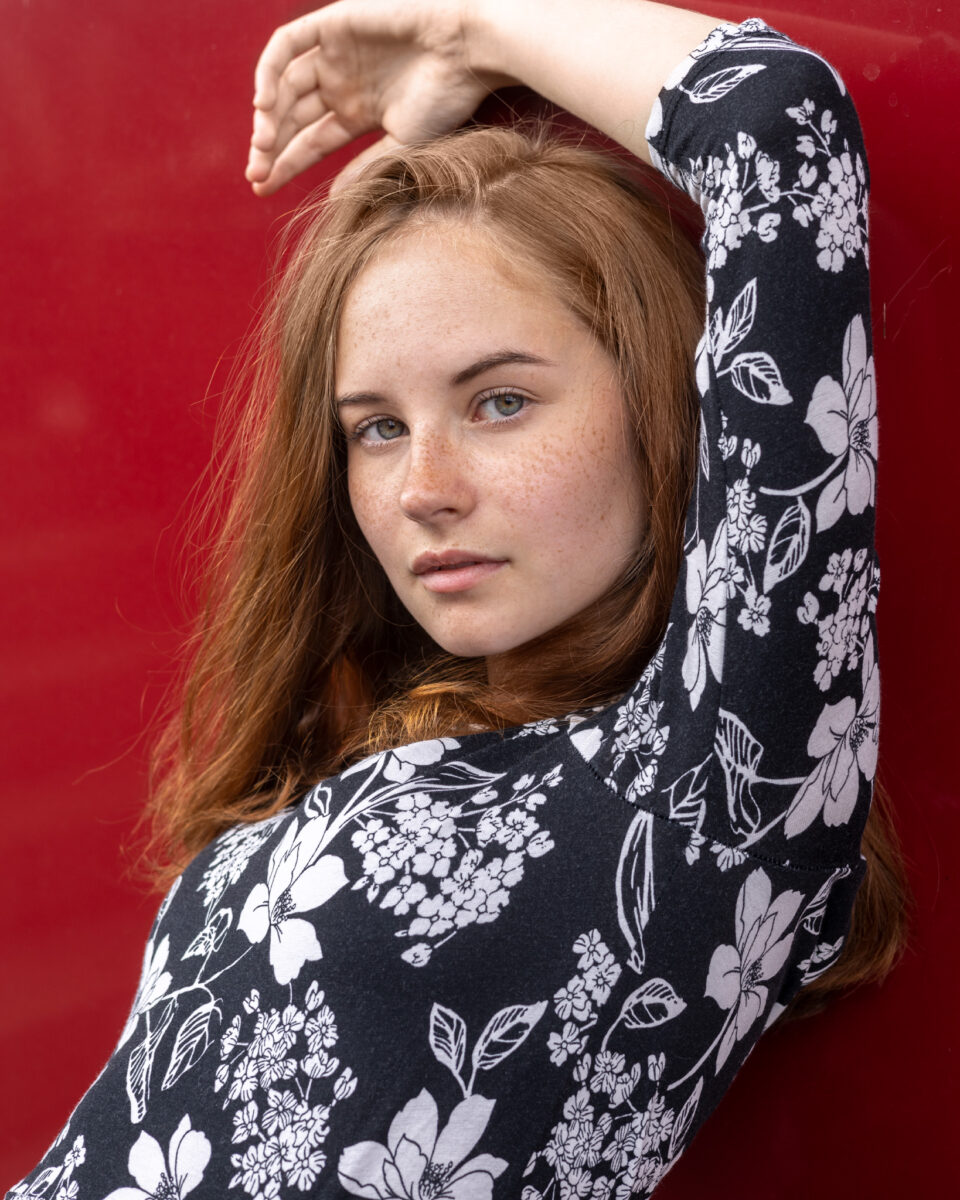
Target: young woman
523, 774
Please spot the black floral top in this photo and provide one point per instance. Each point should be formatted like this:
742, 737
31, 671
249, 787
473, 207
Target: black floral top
530, 965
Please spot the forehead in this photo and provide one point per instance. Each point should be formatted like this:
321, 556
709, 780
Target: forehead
445, 289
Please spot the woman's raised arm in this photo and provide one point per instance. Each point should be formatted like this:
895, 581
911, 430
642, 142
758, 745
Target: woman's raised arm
420, 69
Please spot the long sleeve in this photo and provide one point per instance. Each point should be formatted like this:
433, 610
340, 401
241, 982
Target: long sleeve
528, 967
773, 655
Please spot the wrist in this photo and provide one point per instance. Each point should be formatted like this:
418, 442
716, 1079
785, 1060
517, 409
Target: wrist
485, 31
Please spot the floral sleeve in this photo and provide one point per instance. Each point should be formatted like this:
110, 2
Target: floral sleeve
757, 723
527, 967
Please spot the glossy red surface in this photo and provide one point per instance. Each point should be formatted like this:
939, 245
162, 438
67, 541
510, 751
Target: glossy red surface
133, 255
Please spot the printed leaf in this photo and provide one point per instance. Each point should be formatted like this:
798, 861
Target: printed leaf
704, 452
461, 774
739, 753
43, 1181
716, 343
448, 1037
193, 1039
689, 808
505, 1031
140, 1064
788, 544
715, 87
210, 938
739, 321
635, 894
813, 913
758, 377
653, 1003
684, 1120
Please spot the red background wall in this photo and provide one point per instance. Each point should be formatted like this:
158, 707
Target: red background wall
132, 256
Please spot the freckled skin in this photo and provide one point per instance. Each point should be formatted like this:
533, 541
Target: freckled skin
554, 490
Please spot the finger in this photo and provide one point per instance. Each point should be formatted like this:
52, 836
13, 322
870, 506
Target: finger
300, 79
356, 164
284, 45
306, 111
309, 146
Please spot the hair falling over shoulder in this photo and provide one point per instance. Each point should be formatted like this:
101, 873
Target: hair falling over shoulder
302, 660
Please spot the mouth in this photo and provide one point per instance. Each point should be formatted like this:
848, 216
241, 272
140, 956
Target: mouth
454, 570
451, 560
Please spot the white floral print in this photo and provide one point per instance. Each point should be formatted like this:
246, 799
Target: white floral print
299, 879
845, 739
155, 979
422, 1160
845, 420
706, 600
739, 974
280, 1076
166, 1177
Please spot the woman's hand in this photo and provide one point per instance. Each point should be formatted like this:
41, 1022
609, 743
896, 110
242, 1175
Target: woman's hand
355, 66
419, 68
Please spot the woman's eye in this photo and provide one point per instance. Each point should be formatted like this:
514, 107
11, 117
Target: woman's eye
503, 404
384, 429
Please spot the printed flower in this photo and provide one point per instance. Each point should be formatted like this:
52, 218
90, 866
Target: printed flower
404, 895
729, 220
838, 206
517, 827
601, 977
620, 1147
321, 1030
579, 1106
737, 973
845, 421
171, 1178
402, 763
706, 600
280, 1110
845, 740
591, 948
607, 1071
835, 576
573, 1000
416, 1162
244, 1080
298, 880
345, 1084
754, 614
154, 981
654, 1125
245, 1122
565, 1044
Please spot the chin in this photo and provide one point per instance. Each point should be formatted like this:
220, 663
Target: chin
471, 644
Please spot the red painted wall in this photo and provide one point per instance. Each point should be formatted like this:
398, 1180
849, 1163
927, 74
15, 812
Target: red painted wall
132, 256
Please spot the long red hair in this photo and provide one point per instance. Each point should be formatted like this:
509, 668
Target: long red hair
302, 659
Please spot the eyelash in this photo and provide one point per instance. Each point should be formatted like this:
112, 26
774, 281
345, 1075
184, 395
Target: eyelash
370, 422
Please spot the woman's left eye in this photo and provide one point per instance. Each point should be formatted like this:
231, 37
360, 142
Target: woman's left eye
503, 404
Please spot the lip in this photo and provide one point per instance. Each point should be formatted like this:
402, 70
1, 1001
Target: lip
454, 570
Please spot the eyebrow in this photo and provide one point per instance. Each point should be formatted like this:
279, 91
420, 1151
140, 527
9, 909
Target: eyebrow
501, 358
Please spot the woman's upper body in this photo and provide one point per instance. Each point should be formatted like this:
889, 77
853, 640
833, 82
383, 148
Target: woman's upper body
530, 964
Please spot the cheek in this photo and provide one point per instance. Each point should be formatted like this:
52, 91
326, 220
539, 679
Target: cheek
371, 507
578, 497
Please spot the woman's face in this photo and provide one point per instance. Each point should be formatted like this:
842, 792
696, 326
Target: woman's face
489, 454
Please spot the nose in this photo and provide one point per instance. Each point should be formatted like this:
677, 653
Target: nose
437, 486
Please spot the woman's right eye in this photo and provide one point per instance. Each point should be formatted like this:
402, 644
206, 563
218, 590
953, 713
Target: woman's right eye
377, 430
